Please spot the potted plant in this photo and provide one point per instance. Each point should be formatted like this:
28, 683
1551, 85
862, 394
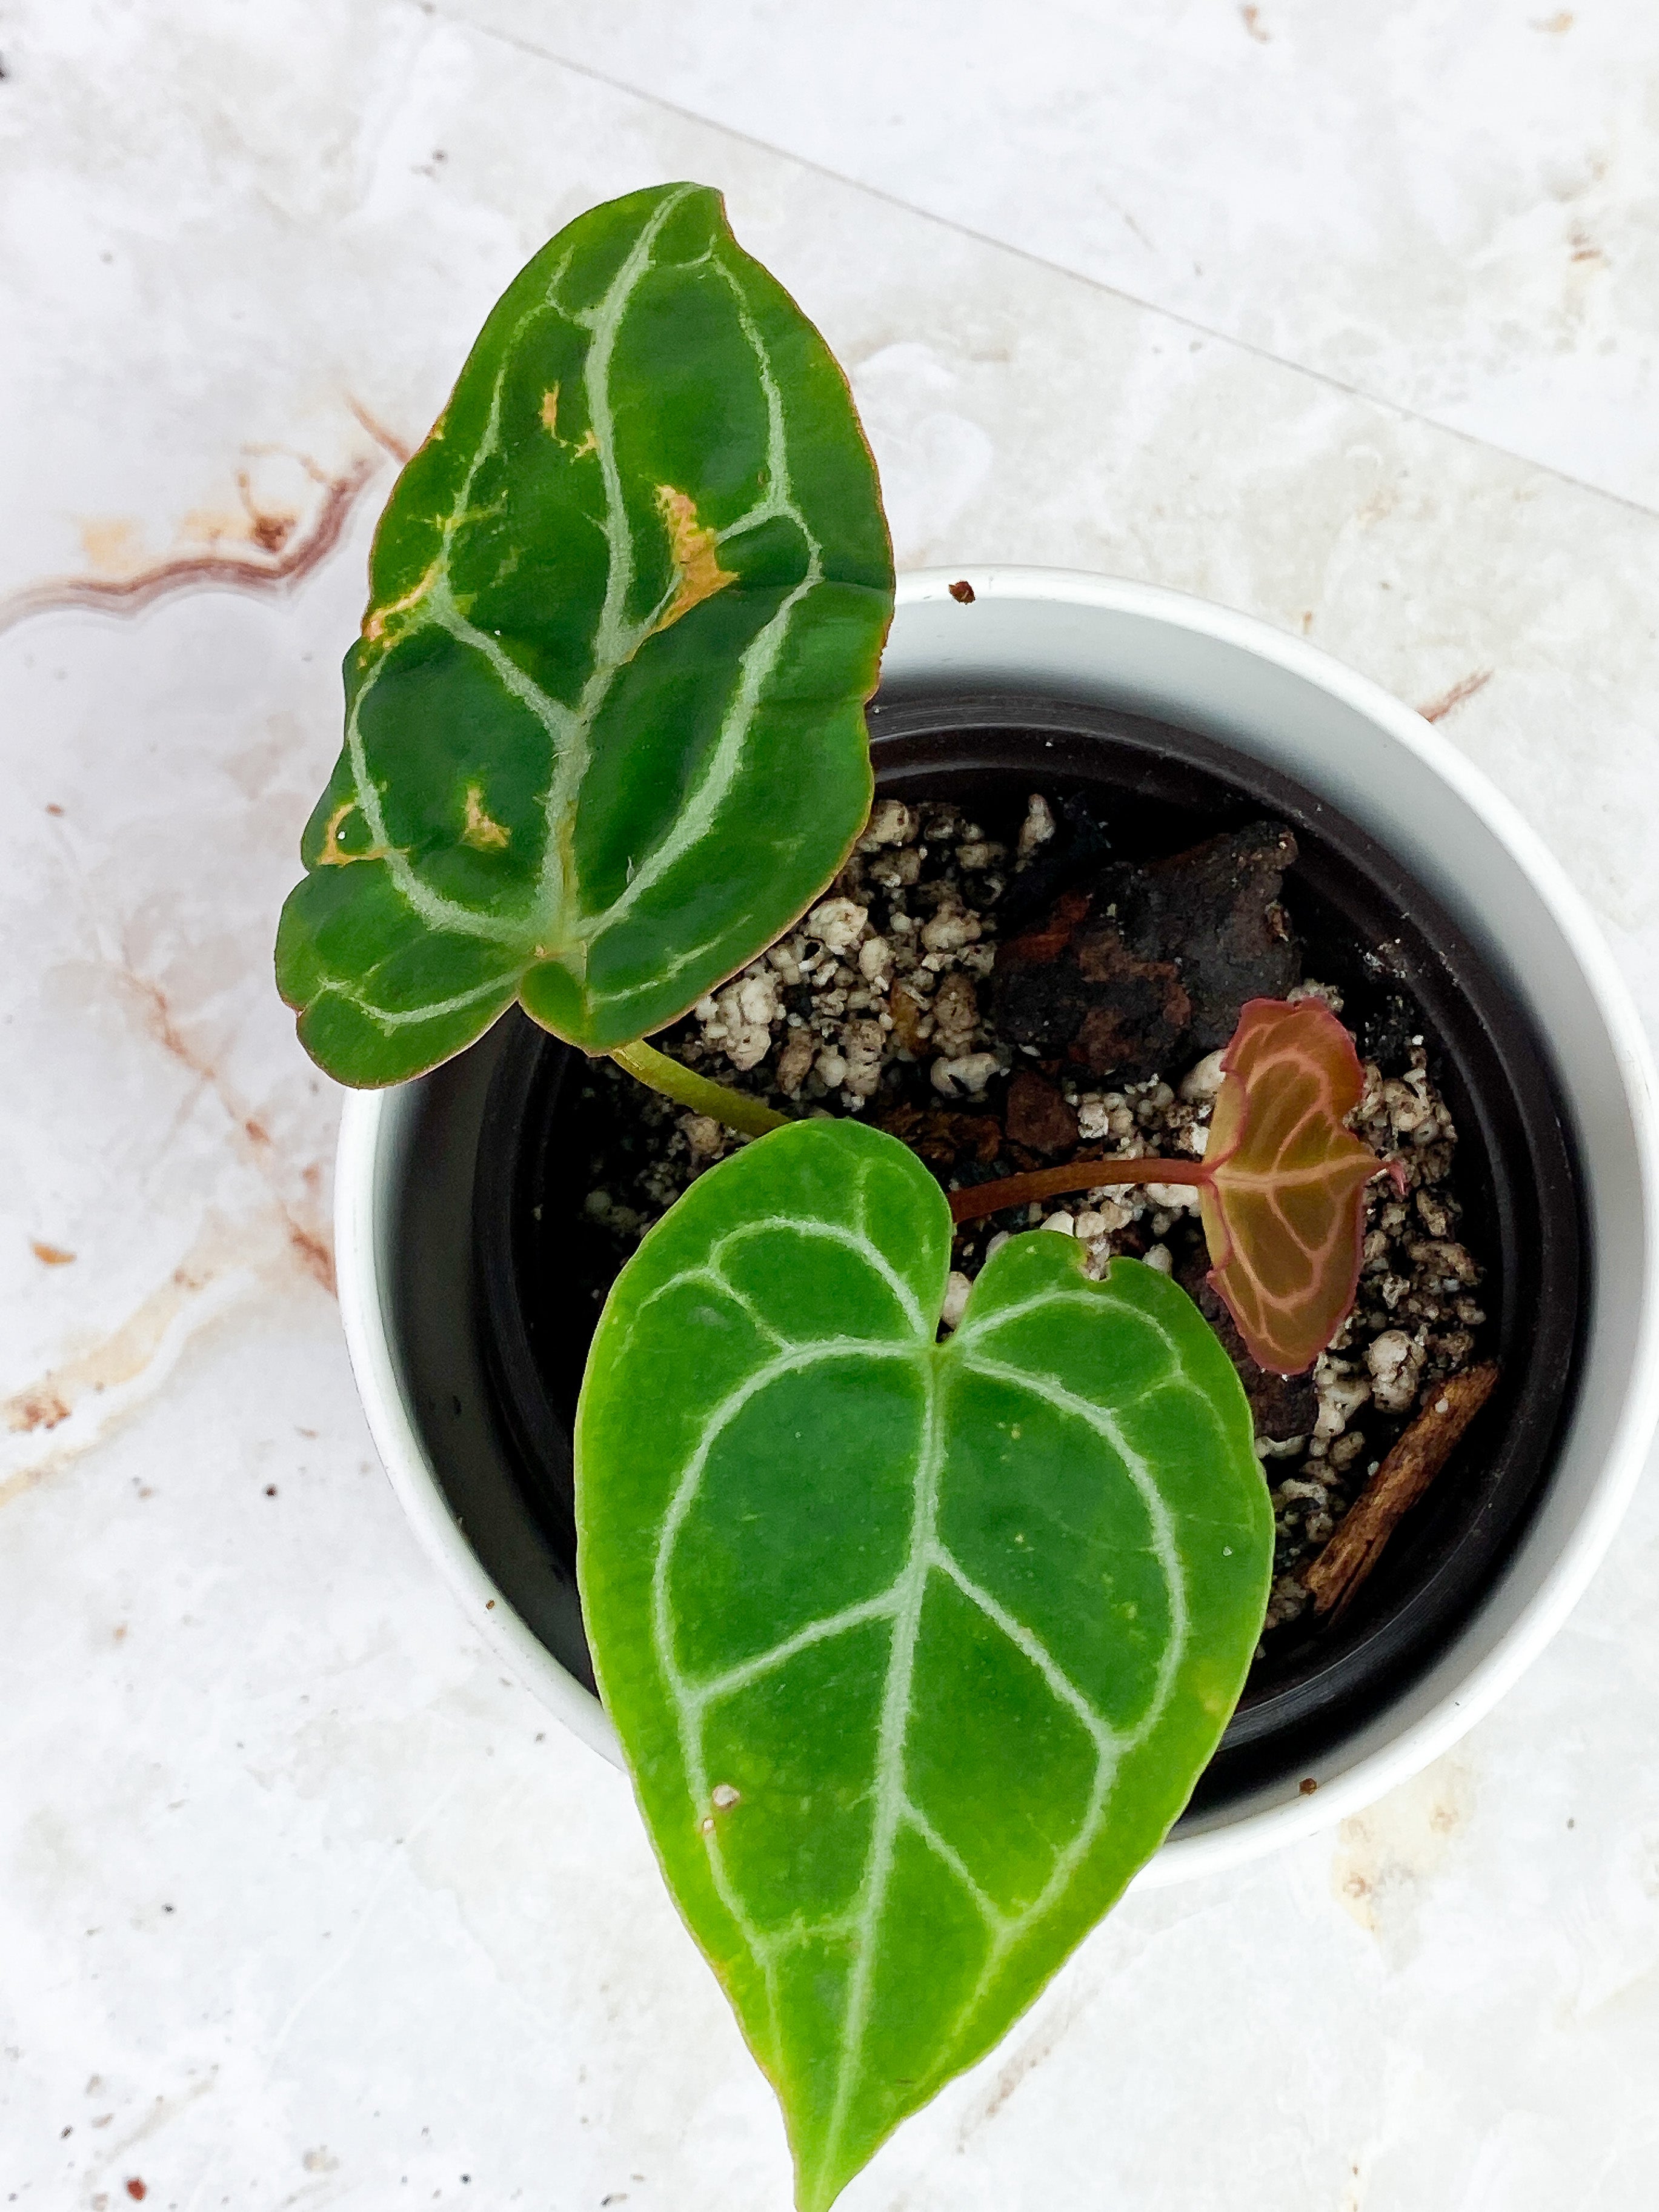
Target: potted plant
921, 1580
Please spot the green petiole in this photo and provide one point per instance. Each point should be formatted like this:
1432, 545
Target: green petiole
732, 1110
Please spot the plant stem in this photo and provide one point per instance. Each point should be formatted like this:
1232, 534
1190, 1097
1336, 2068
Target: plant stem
733, 1109
982, 1198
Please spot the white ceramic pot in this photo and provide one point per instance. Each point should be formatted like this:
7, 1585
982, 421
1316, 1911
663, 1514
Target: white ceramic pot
1136, 648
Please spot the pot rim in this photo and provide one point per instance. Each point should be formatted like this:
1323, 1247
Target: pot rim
1251, 1829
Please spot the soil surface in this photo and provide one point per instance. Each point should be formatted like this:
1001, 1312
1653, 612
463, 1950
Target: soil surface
1008, 996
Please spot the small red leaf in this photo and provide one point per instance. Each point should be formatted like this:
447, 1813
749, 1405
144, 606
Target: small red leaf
1283, 1195
1281, 1184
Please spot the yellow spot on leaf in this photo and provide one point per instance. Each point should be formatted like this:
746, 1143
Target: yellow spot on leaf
551, 412
481, 833
375, 621
590, 444
331, 854
695, 553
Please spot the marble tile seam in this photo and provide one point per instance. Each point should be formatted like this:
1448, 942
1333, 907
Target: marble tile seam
1173, 316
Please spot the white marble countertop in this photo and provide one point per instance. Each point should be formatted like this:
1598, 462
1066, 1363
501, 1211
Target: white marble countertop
1345, 317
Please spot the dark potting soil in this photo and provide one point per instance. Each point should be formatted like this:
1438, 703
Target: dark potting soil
956, 987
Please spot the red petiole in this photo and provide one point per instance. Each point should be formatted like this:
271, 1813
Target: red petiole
983, 1198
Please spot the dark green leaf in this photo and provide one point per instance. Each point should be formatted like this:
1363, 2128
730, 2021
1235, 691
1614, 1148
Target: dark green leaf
604, 730
915, 1649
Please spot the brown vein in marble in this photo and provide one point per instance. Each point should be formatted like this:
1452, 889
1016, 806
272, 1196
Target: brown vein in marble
257, 1250
1465, 688
128, 1350
118, 1358
285, 1241
387, 440
281, 558
309, 1244
1036, 2047
161, 2114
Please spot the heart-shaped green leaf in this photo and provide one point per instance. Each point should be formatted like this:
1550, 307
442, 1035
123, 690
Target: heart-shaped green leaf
604, 730
915, 1649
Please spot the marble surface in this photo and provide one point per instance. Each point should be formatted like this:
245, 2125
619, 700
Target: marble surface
1345, 318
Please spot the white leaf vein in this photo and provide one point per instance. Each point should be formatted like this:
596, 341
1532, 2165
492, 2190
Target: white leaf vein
707, 798
700, 1695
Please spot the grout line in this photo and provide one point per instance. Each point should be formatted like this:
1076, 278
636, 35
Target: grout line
1028, 255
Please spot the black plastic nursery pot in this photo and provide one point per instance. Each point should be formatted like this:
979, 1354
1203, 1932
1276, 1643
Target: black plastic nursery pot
1366, 925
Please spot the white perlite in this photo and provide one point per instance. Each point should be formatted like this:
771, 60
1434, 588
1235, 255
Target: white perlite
892, 823
1200, 1084
837, 923
1101, 1115
955, 1016
1174, 1197
863, 1044
1037, 828
906, 991
795, 1061
1395, 1361
964, 1078
739, 1018
705, 1139
950, 930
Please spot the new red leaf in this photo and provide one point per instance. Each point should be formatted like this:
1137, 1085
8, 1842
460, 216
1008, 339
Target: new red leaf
1283, 1188
1281, 1184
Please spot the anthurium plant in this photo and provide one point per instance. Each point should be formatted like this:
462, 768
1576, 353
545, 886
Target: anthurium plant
915, 1642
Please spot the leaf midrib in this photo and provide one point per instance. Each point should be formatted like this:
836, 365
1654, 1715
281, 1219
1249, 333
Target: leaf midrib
891, 1792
